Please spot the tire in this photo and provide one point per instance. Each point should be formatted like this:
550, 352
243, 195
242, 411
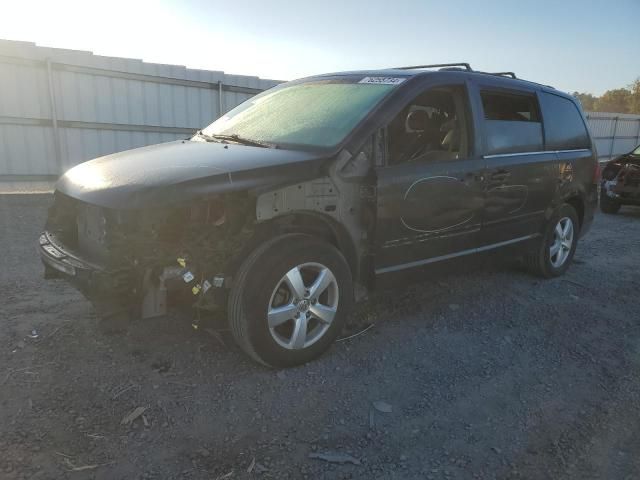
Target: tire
540, 260
263, 295
608, 205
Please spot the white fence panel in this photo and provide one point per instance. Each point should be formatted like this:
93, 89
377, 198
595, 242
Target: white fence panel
614, 133
61, 107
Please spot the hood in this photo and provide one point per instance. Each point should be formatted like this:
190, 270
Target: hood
627, 158
170, 173
622, 164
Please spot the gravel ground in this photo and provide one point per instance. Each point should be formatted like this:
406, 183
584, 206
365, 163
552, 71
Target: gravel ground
477, 371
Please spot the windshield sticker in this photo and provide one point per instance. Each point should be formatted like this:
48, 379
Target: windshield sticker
383, 80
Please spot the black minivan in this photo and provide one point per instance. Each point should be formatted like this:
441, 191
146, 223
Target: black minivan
290, 207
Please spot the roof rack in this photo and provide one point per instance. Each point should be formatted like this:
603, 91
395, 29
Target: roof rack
466, 66
503, 74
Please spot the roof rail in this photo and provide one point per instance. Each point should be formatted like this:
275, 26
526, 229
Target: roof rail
467, 67
503, 74
513, 75
438, 65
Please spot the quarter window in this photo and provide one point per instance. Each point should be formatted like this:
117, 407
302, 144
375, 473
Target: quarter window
564, 127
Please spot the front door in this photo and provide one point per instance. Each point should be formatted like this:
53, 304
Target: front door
431, 189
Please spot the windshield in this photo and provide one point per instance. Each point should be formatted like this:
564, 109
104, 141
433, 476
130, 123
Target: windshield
312, 114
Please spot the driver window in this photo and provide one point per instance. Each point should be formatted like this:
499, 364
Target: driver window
432, 127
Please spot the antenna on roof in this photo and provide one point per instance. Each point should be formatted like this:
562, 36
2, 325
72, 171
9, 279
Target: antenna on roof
466, 66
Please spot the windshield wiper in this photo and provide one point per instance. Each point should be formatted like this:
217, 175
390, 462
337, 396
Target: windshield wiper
238, 139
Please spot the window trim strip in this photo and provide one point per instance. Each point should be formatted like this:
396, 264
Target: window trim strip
504, 155
426, 261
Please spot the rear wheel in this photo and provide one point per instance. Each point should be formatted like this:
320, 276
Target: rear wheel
553, 254
289, 300
608, 205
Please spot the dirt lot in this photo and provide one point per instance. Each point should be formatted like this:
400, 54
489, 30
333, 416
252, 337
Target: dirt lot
487, 373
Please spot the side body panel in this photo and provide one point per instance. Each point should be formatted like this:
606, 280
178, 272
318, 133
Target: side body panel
520, 185
567, 135
576, 180
428, 209
519, 189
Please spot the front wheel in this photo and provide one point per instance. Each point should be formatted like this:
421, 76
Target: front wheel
289, 300
553, 254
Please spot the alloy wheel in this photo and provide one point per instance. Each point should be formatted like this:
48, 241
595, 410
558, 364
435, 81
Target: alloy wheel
303, 305
562, 242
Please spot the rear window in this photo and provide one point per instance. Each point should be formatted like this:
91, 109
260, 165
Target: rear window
564, 127
512, 122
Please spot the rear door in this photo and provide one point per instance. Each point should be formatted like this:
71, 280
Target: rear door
430, 190
520, 174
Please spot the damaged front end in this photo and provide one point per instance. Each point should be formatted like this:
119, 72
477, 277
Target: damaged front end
144, 260
621, 181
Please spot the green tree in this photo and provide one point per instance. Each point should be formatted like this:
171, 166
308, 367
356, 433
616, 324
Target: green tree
634, 106
587, 100
617, 101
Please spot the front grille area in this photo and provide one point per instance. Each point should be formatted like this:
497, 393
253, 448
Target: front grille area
61, 221
91, 223
118, 238
130, 249
208, 232
80, 227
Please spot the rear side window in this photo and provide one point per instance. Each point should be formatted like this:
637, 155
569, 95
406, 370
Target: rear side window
511, 108
512, 122
564, 127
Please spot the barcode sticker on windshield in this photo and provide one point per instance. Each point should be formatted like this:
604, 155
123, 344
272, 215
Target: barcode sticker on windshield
383, 80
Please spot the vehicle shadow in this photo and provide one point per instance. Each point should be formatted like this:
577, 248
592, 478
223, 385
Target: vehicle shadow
630, 211
426, 291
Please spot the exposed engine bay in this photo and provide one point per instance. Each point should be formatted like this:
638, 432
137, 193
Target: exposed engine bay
146, 255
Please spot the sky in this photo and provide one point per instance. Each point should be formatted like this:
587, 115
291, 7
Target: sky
574, 45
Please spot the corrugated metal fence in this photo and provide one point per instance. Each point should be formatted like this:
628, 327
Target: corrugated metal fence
61, 107
614, 133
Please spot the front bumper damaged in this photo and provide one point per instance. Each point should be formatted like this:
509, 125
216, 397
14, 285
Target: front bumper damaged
60, 262
108, 290
145, 261
125, 288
